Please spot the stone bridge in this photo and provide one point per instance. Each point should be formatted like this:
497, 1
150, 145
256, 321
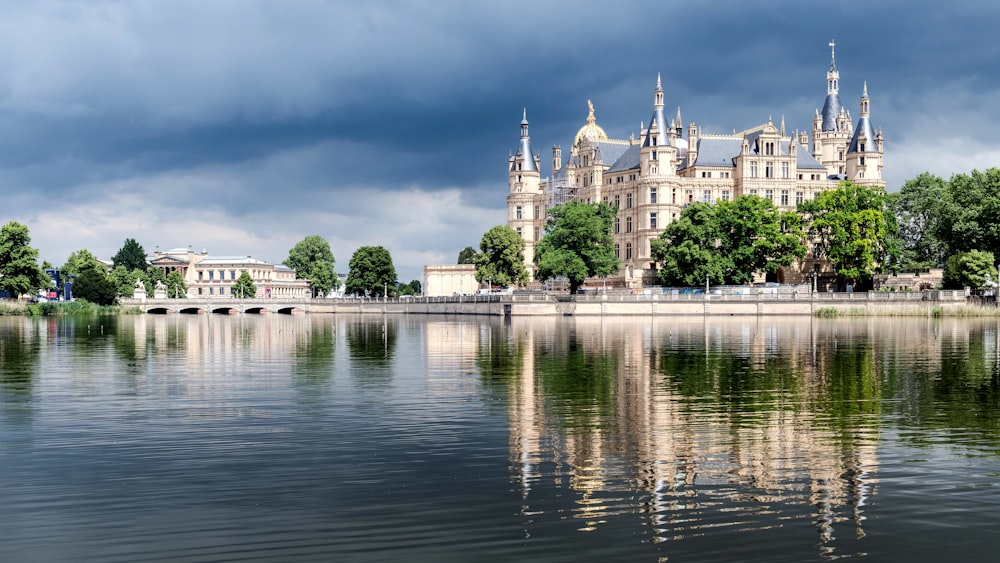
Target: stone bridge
219, 306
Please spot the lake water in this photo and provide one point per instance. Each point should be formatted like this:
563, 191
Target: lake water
346, 438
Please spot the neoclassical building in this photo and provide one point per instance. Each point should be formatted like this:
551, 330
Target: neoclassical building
214, 276
652, 177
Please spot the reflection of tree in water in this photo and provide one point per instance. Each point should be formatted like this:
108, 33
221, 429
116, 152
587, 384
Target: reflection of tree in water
960, 393
313, 355
500, 355
577, 381
20, 347
371, 343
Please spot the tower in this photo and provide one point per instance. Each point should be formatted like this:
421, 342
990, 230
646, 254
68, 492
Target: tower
864, 154
832, 127
525, 198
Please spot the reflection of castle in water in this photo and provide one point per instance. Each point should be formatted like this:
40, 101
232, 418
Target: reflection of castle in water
738, 417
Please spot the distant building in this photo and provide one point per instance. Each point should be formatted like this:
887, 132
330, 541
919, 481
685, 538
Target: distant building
446, 280
214, 276
652, 178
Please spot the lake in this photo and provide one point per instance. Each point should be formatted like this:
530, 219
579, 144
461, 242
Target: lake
422, 438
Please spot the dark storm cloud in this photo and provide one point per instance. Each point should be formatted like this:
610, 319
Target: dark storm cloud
261, 110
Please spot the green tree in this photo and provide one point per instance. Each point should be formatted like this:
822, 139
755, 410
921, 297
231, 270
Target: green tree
124, 280
687, 252
577, 243
131, 255
371, 272
501, 261
94, 285
975, 269
19, 270
78, 261
727, 243
971, 213
922, 209
313, 260
412, 288
244, 287
467, 255
176, 288
854, 229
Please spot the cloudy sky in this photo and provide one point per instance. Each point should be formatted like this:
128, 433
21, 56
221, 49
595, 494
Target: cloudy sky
242, 126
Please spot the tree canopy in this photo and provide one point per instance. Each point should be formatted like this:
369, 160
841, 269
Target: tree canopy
131, 255
466, 255
78, 261
313, 260
19, 270
124, 280
244, 287
501, 261
728, 242
93, 284
852, 227
920, 208
371, 272
577, 243
975, 269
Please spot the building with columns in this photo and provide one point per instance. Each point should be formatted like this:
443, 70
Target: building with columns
651, 177
214, 276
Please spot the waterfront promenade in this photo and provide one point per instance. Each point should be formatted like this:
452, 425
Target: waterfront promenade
591, 304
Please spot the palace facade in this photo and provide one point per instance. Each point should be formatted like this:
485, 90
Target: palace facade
650, 179
214, 276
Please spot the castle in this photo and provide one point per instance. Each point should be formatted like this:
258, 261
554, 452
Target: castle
652, 178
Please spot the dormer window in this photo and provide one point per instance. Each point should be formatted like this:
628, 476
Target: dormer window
861, 147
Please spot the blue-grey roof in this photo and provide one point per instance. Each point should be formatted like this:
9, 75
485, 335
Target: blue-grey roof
804, 161
661, 124
524, 149
831, 109
718, 152
610, 152
864, 125
629, 160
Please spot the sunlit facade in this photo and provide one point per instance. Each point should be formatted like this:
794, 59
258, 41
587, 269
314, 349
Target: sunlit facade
652, 177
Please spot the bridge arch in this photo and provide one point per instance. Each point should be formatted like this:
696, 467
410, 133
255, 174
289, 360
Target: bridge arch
191, 310
159, 311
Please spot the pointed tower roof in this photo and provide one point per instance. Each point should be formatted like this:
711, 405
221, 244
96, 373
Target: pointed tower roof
524, 150
658, 118
832, 105
864, 130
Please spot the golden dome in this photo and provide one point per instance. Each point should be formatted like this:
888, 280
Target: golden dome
591, 131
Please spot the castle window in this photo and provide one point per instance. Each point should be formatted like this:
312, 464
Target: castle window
690, 195
753, 169
799, 196
769, 195
840, 155
784, 169
618, 225
517, 212
211, 275
519, 232
537, 211
861, 174
706, 196
618, 252
769, 149
769, 169
654, 155
628, 250
862, 161
706, 174
232, 274
673, 197
652, 195
538, 233
628, 225
725, 195
618, 201
652, 220
861, 147
628, 200
784, 197
800, 176
753, 192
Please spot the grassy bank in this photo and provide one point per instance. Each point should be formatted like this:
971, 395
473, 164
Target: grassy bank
908, 310
63, 308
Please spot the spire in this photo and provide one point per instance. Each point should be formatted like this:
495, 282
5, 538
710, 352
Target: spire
865, 101
782, 125
832, 107
658, 93
658, 119
680, 124
864, 133
524, 151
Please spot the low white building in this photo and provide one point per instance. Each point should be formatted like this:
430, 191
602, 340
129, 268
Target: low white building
214, 276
